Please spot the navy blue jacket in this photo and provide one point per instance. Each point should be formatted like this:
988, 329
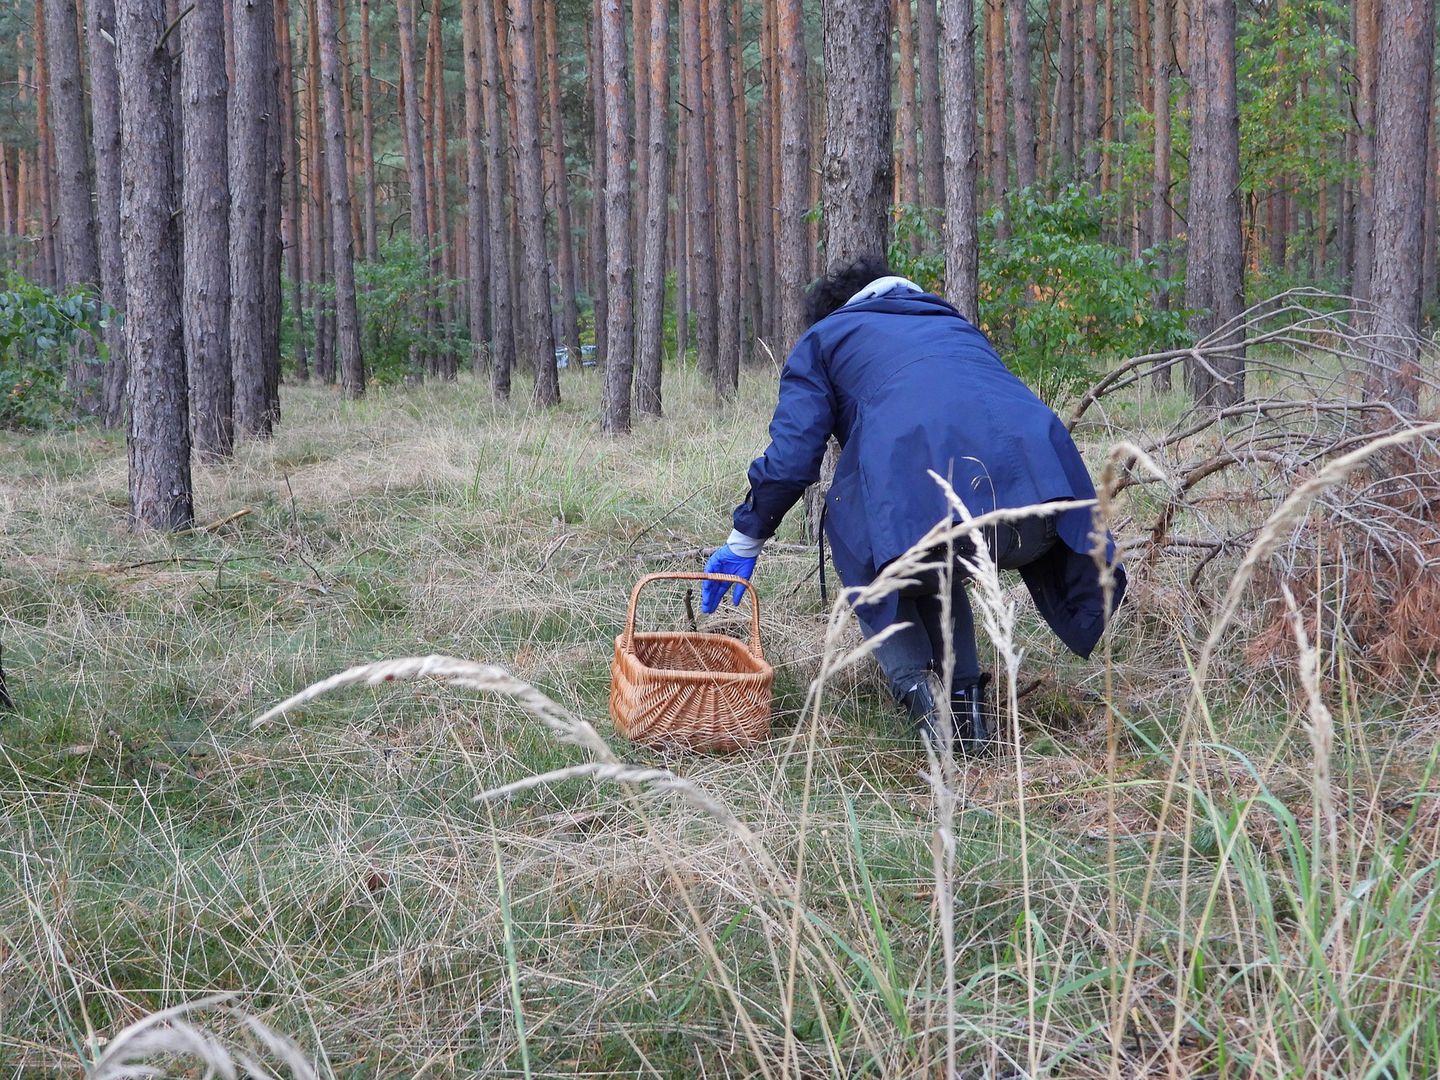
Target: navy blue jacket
906, 384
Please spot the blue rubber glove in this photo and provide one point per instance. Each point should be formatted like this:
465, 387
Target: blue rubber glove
724, 561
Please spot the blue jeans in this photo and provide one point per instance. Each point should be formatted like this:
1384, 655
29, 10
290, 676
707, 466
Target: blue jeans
909, 654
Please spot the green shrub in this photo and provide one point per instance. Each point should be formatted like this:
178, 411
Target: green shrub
38, 330
391, 295
1055, 297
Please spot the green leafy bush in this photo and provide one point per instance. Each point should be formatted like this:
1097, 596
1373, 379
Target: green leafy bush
38, 330
391, 295
1055, 297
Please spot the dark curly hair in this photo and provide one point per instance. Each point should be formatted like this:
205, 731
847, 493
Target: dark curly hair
829, 293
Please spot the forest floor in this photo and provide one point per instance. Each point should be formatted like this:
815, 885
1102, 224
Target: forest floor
333, 870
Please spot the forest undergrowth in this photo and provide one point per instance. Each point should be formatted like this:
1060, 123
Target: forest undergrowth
1199, 863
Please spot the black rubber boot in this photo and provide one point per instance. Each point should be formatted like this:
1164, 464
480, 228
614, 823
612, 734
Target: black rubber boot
920, 703
974, 719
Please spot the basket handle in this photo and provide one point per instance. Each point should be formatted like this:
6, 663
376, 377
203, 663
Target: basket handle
629, 634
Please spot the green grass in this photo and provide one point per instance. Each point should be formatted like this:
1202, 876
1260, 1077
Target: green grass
332, 870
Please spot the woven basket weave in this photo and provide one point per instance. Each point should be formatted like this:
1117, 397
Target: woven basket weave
691, 690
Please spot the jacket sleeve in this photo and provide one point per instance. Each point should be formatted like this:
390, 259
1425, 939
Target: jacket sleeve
803, 421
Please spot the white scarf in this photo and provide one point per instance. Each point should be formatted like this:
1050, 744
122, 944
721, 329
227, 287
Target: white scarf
881, 286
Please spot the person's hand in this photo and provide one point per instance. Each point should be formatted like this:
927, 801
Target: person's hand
724, 561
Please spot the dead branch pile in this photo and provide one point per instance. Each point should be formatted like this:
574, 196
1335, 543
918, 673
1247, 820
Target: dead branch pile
1321, 379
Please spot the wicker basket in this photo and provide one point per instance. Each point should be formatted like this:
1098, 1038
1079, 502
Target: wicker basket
692, 690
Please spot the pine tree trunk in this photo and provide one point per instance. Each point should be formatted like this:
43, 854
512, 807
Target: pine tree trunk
78, 261
619, 357
1022, 94
1432, 190
438, 148
751, 307
762, 208
599, 144
105, 138
1109, 125
681, 232
538, 336
997, 163
272, 296
1215, 280
1160, 176
475, 183
909, 164
45, 156
727, 203
1403, 84
702, 214
1144, 65
342, 240
1367, 53
962, 247
858, 160
932, 141
414, 162
1063, 124
566, 266
367, 133
639, 109
1090, 94
316, 204
291, 220
159, 442
793, 260
502, 341
250, 114
206, 235
651, 302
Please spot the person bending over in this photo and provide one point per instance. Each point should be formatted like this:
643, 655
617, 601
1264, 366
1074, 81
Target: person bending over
907, 385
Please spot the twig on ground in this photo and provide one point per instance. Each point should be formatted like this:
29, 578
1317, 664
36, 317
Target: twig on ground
215, 526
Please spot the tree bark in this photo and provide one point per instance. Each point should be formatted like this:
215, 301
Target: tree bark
962, 248
105, 137
657, 165
932, 141
159, 442
502, 342
702, 215
291, 220
1090, 94
367, 133
619, 356
997, 165
437, 150
599, 140
727, 203
1367, 50
77, 260
414, 161
538, 335
1063, 123
206, 234
1405, 72
1022, 93
1215, 280
566, 267
44, 156
251, 104
793, 256
316, 205
1108, 124
342, 240
909, 164
858, 160
475, 183
272, 297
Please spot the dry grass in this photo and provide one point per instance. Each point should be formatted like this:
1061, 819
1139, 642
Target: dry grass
1228, 877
